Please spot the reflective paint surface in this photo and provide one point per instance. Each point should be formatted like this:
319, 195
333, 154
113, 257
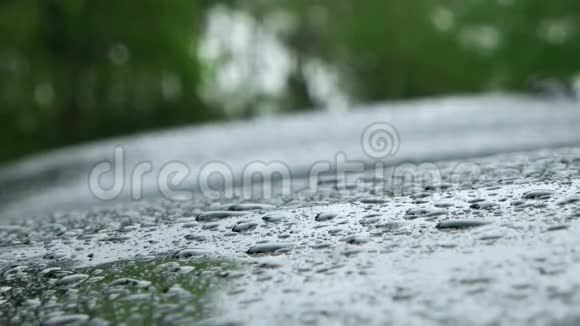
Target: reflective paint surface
500, 247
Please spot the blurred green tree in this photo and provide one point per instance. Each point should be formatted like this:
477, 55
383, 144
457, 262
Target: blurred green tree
75, 70
389, 49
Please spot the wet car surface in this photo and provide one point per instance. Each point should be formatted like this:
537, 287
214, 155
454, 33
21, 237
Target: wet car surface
473, 219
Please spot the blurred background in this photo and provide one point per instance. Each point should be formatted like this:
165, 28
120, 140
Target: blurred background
78, 70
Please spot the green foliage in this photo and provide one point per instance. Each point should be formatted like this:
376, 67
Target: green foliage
399, 49
77, 70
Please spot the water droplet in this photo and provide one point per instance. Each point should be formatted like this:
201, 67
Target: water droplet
557, 227
569, 200
218, 215
355, 239
195, 237
414, 213
130, 282
373, 200
325, 216
460, 224
250, 207
189, 253
483, 205
274, 217
65, 320
244, 227
538, 194
54, 272
491, 237
369, 221
71, 280
420, 195
265, 248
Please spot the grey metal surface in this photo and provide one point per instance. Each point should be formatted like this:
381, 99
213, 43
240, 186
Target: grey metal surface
495, 247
